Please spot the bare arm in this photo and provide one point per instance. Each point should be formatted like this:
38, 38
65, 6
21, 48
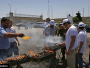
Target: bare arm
72, 42
17, 40
61, 44
80, 46
10, 35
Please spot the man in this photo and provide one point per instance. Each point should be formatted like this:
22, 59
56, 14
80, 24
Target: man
61, 31
70, 42
82, 45
13, 45
4, 41
45, 24
50, 30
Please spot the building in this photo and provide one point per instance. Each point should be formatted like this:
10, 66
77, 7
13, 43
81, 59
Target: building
20, 17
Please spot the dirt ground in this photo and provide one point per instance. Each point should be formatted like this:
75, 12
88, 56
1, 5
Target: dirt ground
36, 44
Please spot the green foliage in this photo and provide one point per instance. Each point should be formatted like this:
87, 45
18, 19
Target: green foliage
76, 19
79, 16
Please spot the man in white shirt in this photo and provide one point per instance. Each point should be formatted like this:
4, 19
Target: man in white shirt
13, 44
70, 42
45, 24
50, 30
82, 45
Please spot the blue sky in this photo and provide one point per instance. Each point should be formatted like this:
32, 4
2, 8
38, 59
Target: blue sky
37, 7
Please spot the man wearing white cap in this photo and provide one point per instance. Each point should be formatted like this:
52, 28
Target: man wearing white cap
82, 45
46, 24
50, 30
70, 42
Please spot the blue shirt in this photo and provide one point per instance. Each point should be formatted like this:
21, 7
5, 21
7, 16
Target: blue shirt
4, 42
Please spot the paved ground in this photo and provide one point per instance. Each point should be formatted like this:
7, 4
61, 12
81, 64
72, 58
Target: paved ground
36, 44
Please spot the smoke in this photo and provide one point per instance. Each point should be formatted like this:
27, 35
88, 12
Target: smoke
52, 41
36, 43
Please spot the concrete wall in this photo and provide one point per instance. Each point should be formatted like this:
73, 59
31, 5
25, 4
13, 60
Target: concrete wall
17, 19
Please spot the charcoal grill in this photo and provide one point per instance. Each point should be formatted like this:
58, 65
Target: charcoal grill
42, 57
28, 58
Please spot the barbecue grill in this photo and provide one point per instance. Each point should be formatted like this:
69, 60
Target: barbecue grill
27, 58
23, 58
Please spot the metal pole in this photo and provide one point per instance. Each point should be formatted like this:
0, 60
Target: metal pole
10, 7
51, 11
83, 12
72, 12
88, 11
48, 9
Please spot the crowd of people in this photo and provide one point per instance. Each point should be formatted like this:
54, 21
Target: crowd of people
75, 40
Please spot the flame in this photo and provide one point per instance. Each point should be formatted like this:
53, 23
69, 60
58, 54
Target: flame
50, 50
34, 54
26, 37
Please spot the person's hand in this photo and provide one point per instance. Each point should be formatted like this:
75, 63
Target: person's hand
46, 34
77, 52
68, 52
60, 44
18, 43
89, 45
21, 35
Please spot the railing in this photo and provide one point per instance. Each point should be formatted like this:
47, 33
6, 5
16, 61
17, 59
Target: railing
23, 15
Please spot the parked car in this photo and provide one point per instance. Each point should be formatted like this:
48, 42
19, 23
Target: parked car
87, 27
20, 24
39, 25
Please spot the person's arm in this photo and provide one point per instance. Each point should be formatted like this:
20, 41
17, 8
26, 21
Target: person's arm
80, 46
45, 31
61, 44
71, 44
10, 35
81, 40
89, 44
17, 41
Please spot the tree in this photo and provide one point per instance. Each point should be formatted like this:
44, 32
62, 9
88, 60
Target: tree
79, 16
76, 19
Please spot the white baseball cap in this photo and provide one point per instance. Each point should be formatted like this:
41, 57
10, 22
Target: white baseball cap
65, 20
52, 22
81, 24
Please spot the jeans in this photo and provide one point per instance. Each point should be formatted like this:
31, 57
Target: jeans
79, 60
3, 54
13, 49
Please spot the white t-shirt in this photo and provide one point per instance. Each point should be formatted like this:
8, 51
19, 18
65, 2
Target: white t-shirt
72, 31
46, 23
11, 30
82, 37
